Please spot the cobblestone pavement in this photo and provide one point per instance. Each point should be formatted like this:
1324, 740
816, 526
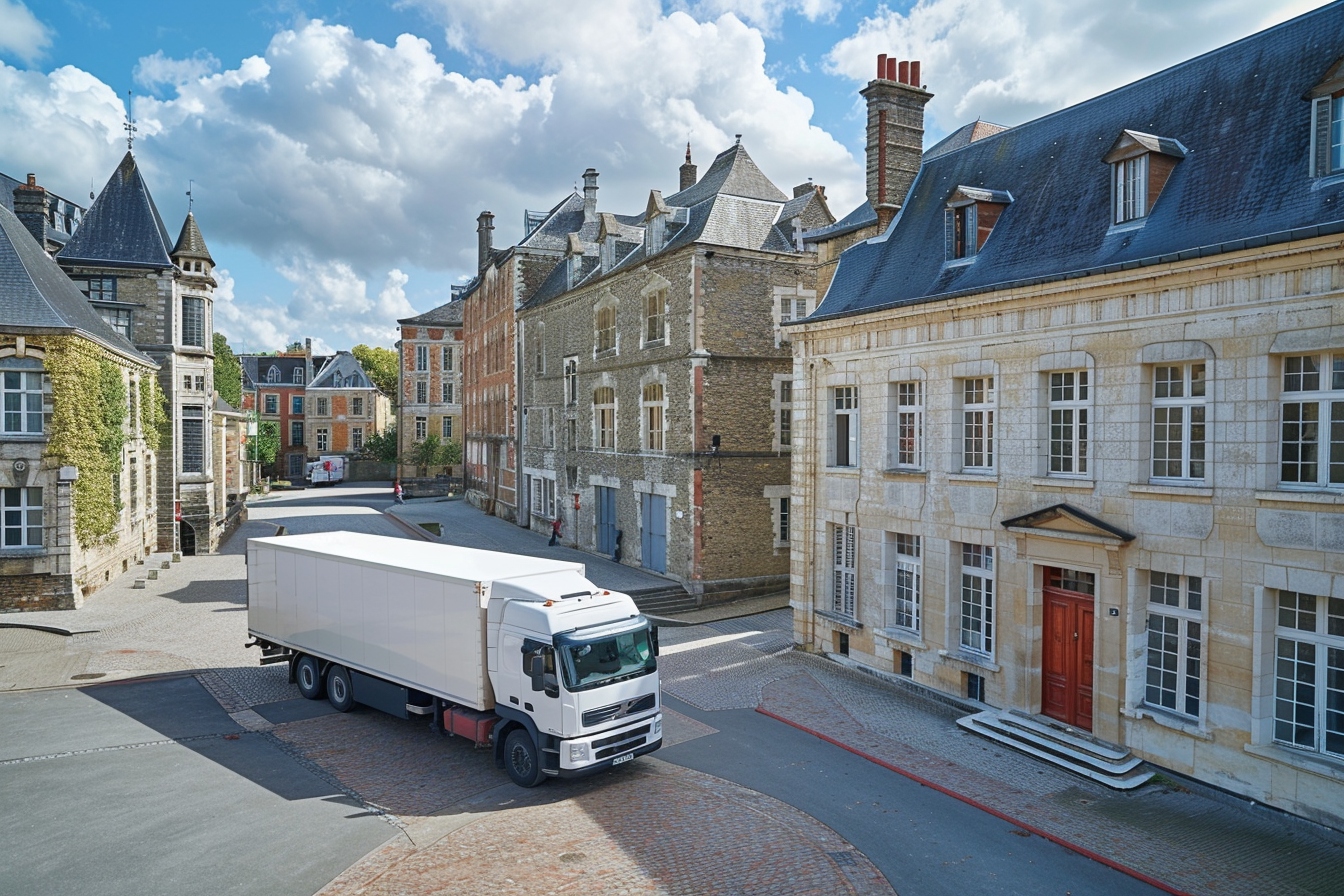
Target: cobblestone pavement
464, 829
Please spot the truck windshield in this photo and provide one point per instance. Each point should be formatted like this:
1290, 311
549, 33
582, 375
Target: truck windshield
593, 662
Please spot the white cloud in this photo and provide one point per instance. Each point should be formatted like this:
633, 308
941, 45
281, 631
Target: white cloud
767, 15
22, 35
1009, 62
160, 70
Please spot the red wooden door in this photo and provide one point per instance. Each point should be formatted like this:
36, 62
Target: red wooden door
1066, 663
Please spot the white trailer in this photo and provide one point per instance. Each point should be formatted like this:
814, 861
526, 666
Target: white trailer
520, 652
326, 470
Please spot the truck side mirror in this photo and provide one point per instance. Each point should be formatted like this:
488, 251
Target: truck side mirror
653, 638
537, 672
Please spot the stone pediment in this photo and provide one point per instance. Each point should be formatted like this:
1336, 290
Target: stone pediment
1063, 521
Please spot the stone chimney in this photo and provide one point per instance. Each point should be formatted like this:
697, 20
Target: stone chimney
896, 103
33, 209
688, 175
590, 196
485, 229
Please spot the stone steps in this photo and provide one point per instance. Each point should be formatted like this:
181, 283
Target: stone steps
1116, 767
664, 601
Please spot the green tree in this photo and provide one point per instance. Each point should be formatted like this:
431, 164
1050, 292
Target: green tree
381, 365
267, 442
425, 453
228, 372
382, 447
449, 453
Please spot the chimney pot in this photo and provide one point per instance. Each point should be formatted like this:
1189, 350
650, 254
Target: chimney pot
881, 65
904, 72
914, 74
590, 196
891, 68
32, 179
485, 227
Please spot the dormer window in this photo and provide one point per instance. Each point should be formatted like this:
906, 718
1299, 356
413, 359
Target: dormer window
1327, 123
1140, 166
273, 374
971, 215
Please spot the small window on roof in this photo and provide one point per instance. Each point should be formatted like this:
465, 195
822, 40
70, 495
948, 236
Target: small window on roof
1327, 123
971, 215
1140, 166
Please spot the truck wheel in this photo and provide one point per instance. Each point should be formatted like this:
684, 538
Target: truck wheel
521, 759
339, 693
308, 675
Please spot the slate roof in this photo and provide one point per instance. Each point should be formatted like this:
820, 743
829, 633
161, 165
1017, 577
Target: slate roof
122, 228
732, 173
449, 314
964, 136
343, 371
190, 243
863, 216
1239, 110
67, 214
255, 368
36, 296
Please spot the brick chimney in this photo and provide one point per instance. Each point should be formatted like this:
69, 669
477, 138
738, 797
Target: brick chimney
688, 173
33, 208
590, 196
485, 229
896, 103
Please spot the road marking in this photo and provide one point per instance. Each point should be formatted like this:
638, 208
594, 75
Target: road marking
704, 642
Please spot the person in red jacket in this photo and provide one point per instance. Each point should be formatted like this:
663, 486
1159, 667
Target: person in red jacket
396, 492
555, 531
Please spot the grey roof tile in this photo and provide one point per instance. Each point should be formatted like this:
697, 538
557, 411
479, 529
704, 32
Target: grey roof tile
122, 228
190, 243
446, 315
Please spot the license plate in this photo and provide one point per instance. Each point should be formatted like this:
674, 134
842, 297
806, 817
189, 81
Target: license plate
626, 758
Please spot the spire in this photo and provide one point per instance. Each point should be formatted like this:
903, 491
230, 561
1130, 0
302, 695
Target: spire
122, 226
129, 127
688, 172
190, 243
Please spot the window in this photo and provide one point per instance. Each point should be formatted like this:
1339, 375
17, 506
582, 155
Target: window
903, 581
357, 406
606, 328
295, 433
655, 317
134, 478
272, 404
1178, 421
1130, 189
98, 289
356, 438
118, 319
1175, 622
1069, 399
21, 515
421, 428
961, 227
22, 393
844, 570
421, 391
193, 438
321, 407
781, 521
1312, 426
323, 438
193, 321
844, 449
604, 419
977, 598
1327, 134
783, 412
794, 306
571, 381
446, 393
446, 361
200, 383
539, 348
186, 383
654, 407
571, 434
977, 424
422, 357
273, 374
1309, 672
905, 424
446, 427
297, 377
296, 404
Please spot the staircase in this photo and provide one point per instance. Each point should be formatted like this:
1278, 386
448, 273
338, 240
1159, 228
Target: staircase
1068, 748
664, 600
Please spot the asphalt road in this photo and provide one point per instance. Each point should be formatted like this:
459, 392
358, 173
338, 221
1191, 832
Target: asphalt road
925, 842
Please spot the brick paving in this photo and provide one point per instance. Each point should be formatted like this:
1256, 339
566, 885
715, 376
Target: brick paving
649, 827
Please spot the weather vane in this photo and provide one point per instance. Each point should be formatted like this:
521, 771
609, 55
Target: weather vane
190, 200
129, 126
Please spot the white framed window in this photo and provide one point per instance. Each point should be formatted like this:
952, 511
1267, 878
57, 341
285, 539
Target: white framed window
119, 319
446, 357
903, 581
273, 374
1311, 441
322, 406
296, 404
655, 317
654, 405
446, 392
1175, 656
271, 403
193, 321
1327, 135
905, 425
421, 391
1309, 672
604, 325
1179, 393
604, 418
357, 406
844, 570
422, 357
977, 424
961, 231
1070, 401
1129, 189
977, 598
571, 380
781, 405
356, 438
21, 391
20, 518
781, 515
446, 427
843, 450
421, 428
297, 376
322, 436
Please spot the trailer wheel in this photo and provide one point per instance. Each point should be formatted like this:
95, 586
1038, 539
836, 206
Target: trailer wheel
521, 759
339, 693
308, 675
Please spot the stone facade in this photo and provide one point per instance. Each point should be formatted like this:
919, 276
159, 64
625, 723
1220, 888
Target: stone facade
430, 380
343, 408
275, 386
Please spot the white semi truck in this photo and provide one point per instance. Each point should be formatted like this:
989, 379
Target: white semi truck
520, 652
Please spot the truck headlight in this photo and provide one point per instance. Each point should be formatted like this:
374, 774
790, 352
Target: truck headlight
657, 726
578, 752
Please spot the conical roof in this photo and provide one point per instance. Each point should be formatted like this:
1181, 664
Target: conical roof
190, 243
122, 228
732, 174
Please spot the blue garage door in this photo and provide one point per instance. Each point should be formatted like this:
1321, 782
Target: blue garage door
653, 535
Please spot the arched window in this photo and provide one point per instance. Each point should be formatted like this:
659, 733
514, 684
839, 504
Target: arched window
273, 374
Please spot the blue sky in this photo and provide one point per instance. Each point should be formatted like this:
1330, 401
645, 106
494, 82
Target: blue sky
339, 152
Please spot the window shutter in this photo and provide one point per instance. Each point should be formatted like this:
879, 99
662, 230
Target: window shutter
1320, 136
972, 231
950, 232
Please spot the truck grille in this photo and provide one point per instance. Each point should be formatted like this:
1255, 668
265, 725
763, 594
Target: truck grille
618, 710
606, 747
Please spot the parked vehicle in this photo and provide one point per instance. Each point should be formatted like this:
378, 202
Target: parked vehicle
521, 653
326, 470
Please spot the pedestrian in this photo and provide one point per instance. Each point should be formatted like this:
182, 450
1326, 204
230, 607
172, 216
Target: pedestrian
555, 531
396, 492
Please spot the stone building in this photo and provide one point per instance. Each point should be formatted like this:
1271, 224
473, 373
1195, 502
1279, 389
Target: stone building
76, 509
430, 378
1067, 434
655, 383
276, 387
344, 408
159, 294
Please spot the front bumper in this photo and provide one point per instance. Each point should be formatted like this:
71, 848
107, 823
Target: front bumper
611, 747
